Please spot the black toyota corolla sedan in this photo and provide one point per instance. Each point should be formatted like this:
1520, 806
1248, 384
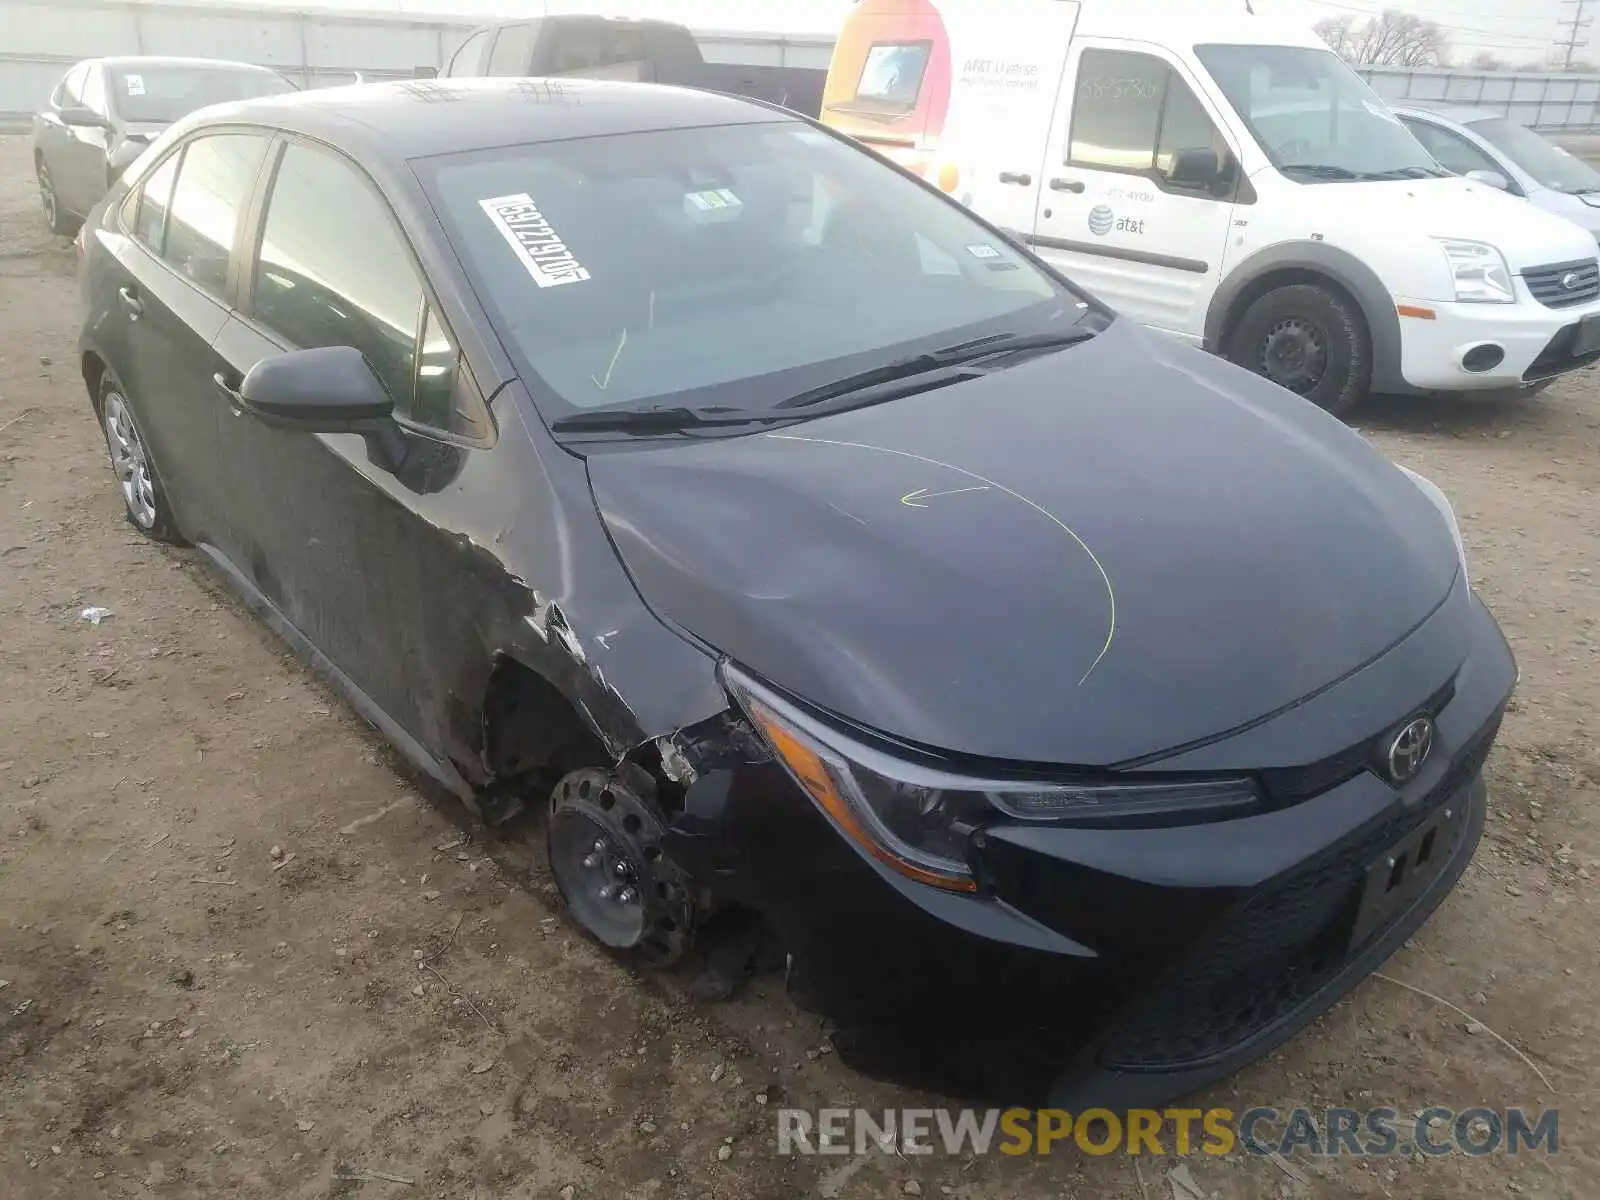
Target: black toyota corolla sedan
1081, 713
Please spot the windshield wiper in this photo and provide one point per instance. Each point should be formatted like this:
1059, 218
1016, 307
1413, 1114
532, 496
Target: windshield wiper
656, 420
941, 360
1320, 170
1408, 173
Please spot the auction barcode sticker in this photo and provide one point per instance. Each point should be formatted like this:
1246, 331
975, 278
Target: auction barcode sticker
531, 238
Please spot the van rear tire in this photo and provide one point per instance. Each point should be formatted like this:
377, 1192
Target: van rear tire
1308, 339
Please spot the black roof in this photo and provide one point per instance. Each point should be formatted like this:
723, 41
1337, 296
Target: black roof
417, 118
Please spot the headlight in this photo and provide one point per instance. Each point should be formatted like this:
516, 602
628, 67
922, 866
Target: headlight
919, 820
1480, 273
1431, 490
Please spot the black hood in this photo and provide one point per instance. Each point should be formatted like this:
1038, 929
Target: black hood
1093, 557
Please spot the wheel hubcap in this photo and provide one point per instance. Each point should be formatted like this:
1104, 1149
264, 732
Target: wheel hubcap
1294, 355
129, 461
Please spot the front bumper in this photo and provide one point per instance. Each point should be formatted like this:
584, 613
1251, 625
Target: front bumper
1535, 340
1119, 967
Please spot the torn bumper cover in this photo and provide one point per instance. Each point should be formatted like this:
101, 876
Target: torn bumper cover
1111, 965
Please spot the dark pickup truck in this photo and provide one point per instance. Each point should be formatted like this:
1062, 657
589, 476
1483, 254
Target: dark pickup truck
617, 48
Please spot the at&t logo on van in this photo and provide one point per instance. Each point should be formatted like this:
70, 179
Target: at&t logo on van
1102, 221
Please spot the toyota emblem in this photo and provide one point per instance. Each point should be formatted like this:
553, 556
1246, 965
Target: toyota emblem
1571, 280
1410, 748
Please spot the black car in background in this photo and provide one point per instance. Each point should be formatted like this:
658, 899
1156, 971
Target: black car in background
640, 51
1082, 713
105, 111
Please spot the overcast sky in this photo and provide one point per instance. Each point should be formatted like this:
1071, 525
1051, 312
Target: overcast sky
1521, 31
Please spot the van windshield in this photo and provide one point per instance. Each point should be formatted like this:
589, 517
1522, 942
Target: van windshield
1548, 163
1314, 117
729, 265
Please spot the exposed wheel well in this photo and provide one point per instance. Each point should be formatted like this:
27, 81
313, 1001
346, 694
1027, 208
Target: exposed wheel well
94, 370
531, 729
1286, 277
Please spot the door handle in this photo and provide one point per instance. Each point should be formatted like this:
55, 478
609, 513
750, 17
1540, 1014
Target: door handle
131, 302
235, 400
1066, 185
1016, 177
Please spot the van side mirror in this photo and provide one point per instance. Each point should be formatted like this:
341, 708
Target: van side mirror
82, 117
326, 390
1491, 179
1198, 167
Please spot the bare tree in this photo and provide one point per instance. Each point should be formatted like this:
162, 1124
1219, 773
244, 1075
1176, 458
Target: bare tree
1390, 39
1484, 60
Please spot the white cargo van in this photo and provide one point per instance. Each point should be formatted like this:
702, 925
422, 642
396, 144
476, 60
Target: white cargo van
1212, 169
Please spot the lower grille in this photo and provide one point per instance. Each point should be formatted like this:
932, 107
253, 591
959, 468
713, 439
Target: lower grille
1277, 949
1562, 285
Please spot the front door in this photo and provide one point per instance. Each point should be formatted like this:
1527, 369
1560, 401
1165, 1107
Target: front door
360, 547
1139, 187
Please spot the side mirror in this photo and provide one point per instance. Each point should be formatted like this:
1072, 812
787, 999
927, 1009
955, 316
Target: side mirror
1195, 168
1491, 179
424, 72
327, 390
82, 117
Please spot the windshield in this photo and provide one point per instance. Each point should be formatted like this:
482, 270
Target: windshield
735, 265
163, 93
1548, 163
1313, 116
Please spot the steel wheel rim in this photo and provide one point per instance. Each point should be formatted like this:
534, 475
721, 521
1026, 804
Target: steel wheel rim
47, 194
1294, 354
130, 462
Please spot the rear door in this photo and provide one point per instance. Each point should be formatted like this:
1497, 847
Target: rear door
1116, 213
163, 302
356, 548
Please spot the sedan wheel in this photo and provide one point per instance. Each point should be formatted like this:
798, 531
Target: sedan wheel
145, 506
54, 216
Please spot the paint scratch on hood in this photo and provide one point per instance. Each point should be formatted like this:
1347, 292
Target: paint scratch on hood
1111, 594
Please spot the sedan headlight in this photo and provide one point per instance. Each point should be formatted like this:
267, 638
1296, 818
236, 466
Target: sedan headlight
1480, 272
1431, 490
919, 820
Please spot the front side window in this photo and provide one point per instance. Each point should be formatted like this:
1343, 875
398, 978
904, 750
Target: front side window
1548, 163
513, 49
1453, 151
1133, 113
469, 57
148, 205
214, 182
334, 269
94, 91
162, 93
1313, 117
70, 90
713, 265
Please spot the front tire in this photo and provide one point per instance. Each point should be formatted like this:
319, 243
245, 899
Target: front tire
144, 502
1308, 339
59, 220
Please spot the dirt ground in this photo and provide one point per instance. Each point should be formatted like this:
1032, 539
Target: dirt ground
183, 1014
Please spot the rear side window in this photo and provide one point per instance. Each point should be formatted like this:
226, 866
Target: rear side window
512, 51
214, 183
148, 206
94, 91
469, 58
70, 90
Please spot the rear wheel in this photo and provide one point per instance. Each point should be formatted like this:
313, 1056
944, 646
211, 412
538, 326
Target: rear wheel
1309, 339
55, 216
144, 502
